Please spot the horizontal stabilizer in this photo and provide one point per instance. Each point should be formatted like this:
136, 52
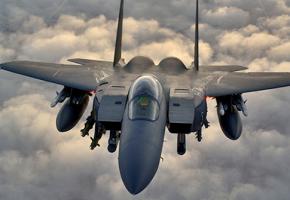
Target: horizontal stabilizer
222, 68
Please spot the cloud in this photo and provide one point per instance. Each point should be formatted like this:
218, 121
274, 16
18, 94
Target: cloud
277, 22
29, 140
227, 17
36, 162
280, 53
252, 46
6, 53
172, 13
96, 37
62, 166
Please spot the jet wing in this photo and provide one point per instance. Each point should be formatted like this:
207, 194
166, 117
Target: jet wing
225, 68
237, 83
82, 61
75, 76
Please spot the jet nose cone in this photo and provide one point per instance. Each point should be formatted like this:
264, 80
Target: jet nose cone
138, 166
134, 183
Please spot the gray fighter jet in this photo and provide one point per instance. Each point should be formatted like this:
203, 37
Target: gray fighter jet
136, 101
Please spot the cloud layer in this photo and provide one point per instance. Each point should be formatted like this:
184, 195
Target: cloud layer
37, 162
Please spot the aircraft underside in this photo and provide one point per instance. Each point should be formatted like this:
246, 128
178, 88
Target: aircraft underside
137, 116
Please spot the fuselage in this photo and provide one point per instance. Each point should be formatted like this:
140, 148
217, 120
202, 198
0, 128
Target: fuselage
147, 114
143, 128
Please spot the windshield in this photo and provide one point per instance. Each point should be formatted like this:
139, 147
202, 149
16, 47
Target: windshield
143, 107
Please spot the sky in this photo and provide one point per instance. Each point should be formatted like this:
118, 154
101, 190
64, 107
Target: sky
37, 162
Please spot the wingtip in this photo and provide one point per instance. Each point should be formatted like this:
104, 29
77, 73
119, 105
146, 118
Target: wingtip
73, 60
2, 65
242, 67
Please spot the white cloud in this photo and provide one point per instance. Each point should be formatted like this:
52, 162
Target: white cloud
62, 166
248, 47
277, 22
227, 17
280, 53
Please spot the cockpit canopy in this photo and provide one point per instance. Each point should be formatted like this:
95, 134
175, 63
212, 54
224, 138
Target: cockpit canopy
144, 99
143, 107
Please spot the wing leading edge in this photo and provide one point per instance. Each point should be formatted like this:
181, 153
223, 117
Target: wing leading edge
75, 76
238, 83
222, 68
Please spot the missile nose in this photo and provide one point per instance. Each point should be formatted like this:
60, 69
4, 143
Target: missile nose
138, 166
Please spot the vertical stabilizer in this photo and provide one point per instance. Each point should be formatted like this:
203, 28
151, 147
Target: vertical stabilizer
196, 46
118, 45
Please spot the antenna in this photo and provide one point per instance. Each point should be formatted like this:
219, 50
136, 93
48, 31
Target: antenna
196, 46
118, 45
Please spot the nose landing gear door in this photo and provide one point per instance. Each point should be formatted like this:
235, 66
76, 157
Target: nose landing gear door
112, 106
181, 110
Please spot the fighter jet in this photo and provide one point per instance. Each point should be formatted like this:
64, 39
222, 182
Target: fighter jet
137, 100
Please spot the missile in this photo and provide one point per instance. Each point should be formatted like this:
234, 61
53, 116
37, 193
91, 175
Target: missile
60, 97
221, 109
241, 106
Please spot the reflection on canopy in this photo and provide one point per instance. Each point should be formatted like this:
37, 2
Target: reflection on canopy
144, 99
143, 107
